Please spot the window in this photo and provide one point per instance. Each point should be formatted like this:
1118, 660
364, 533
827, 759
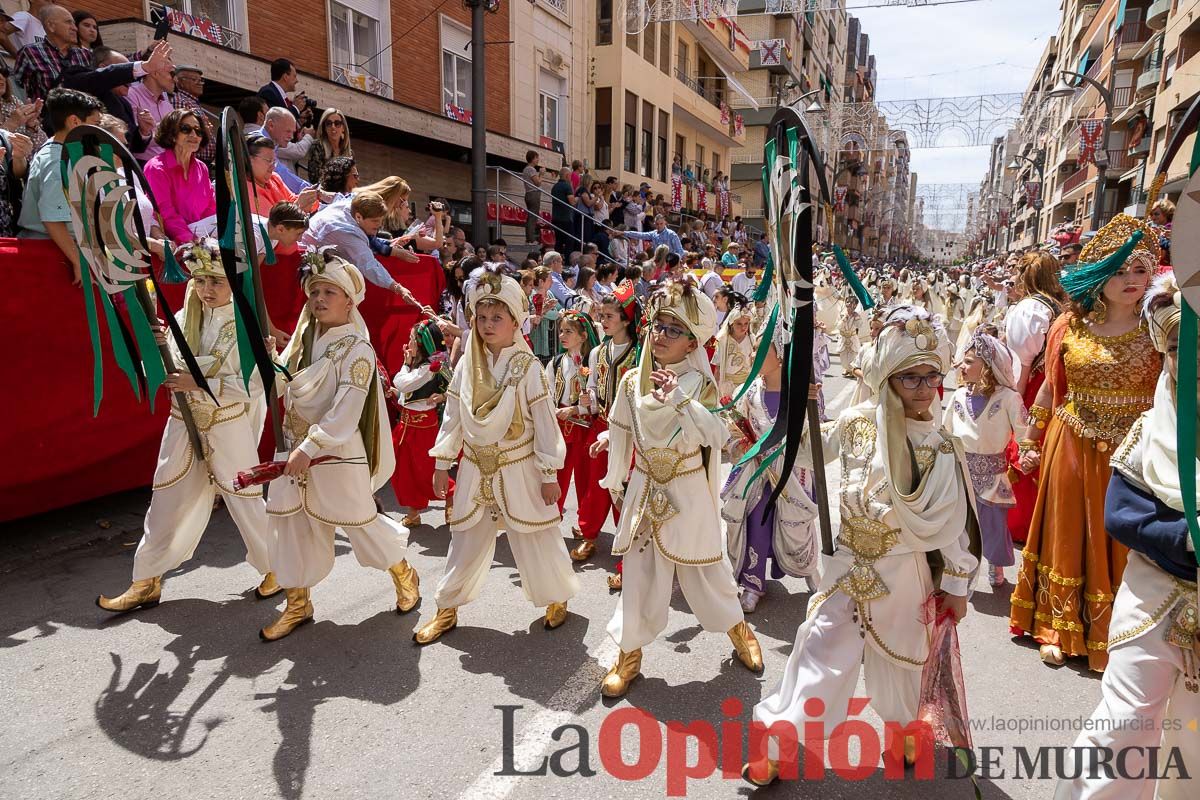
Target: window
681, 147
663, 122
604, 21
664, 48
699, 160
631, 105
550, 91
632, 41
716, 163
456, 65
681, 60
603, 128
354, 37
650, 51
647, 138
228, 17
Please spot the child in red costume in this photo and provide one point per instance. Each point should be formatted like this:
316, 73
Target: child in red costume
421, 384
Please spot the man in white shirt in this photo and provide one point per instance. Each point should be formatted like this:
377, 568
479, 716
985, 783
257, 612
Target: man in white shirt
26, 27
711, 280
746, 281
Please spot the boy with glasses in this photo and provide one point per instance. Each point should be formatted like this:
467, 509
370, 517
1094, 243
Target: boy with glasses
662, 422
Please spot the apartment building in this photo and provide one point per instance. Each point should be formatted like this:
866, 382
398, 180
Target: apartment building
401, 73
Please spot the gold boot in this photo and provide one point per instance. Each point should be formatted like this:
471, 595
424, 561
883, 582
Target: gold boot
140, 594
268, 588
748, 651
556, 614
584, 551
443, 622
627, 667
760, 773
614, 582
408, 586
297, 612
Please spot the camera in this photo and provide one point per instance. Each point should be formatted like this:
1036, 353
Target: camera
310, 104
437, 205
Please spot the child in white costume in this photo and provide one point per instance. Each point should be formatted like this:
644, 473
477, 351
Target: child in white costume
335, 407
1150, 693
868, 608
185, 486
670, 523
500, 416
734, 353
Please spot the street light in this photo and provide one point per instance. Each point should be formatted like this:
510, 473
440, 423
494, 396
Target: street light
1065, 89
1038, 162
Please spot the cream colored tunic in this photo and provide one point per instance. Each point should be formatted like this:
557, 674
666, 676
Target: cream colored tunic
501, 470
673, 494
325, 402
986, 439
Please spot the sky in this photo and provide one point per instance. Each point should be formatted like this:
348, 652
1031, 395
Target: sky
985, 47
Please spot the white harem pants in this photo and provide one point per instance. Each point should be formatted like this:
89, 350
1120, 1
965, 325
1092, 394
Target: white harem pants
302, 552
541, 558
647, 580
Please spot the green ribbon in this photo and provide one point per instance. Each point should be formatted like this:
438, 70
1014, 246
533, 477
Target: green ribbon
1185, 394
851, 277
759, 357
153, 367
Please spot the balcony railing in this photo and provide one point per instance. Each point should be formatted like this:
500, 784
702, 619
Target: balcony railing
1122, 97
696, 86
1133, 33
199, 27
355, 78
1075, 181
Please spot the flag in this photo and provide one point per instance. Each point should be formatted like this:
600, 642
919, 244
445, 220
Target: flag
1033, 191
676, 192
1089, 139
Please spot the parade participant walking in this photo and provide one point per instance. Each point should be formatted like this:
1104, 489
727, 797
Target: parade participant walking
848, 328
185, 482
670, 527
905, 497
421, 386
1101, 368
500, 417
734, 353
568, 374
620, 315
756, 530
335, 408
1153, 672
985, 412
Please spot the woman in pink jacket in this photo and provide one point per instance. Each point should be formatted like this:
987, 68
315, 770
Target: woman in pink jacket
182, 189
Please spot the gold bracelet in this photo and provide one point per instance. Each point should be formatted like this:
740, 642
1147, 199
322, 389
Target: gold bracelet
1029, 445
1038, 416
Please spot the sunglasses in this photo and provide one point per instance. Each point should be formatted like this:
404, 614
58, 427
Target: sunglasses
187, 130
336, 123
670, 331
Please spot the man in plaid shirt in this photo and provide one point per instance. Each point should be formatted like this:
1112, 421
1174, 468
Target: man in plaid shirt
189, 85
39, 65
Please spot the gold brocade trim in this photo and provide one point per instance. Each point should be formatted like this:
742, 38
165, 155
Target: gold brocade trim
1096, 645
554, 521
1019, 603
222, 347
613, 423
1146, 625
868, 540
490, 459
1099, 597
187, 467
1029, 555
815, 602
1058, 624
296, 425
1057, 578
336, 351
953, 573
866, 621
207, 416
360, 373
1080, 327
334, 522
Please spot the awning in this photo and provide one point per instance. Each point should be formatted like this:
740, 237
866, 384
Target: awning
737, 87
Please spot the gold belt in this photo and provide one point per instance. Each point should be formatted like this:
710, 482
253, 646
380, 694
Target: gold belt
490, 459
206, 415
661, 465
1101, 420
418, 419
869, 540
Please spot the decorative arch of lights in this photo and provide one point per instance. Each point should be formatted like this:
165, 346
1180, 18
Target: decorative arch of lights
947, 206
930, 122
640, 13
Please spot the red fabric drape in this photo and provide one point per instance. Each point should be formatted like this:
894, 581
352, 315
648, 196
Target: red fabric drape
53, 452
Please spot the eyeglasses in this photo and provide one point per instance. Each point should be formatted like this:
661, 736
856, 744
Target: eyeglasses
911, 382
336, 123
670, 331
269, 161
189, 130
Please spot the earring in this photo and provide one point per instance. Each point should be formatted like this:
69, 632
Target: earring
1099, 312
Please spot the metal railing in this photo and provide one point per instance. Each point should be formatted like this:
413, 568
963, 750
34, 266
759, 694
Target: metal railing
197, 26
350, 75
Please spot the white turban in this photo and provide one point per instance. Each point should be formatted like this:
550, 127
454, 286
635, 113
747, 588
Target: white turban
491, 285
325, 266
911, 336
683, 300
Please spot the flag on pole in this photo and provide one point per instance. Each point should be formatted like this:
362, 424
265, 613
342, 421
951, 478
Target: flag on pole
1089, 139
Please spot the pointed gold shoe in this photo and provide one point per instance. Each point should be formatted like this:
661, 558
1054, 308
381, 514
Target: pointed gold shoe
556, 614
760, 773
614, 582
627, 667
584, 551
140, 594
443, 622
408, 586
748, 651
268, 588
411, 520
297, 612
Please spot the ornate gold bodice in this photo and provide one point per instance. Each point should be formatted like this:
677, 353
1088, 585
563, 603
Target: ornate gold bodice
1110, 382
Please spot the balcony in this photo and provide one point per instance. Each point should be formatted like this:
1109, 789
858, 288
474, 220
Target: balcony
774, 7
1122, 97
1086, 15
1075, 181
1147, 82
198, 26
1156, 15
715, 37
702, 105
1131, 38
350, 75
772, 55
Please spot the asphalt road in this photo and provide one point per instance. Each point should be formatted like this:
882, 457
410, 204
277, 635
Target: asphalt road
183, 700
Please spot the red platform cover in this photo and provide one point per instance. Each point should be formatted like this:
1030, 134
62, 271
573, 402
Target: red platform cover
53, 452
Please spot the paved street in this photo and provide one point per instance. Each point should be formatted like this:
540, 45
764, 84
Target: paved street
183, 700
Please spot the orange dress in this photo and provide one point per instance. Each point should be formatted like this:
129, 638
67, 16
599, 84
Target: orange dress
1070, 568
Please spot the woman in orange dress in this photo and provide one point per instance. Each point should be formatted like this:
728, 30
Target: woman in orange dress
1101, 370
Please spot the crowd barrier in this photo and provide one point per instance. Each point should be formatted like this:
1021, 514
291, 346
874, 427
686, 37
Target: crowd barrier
53, 451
